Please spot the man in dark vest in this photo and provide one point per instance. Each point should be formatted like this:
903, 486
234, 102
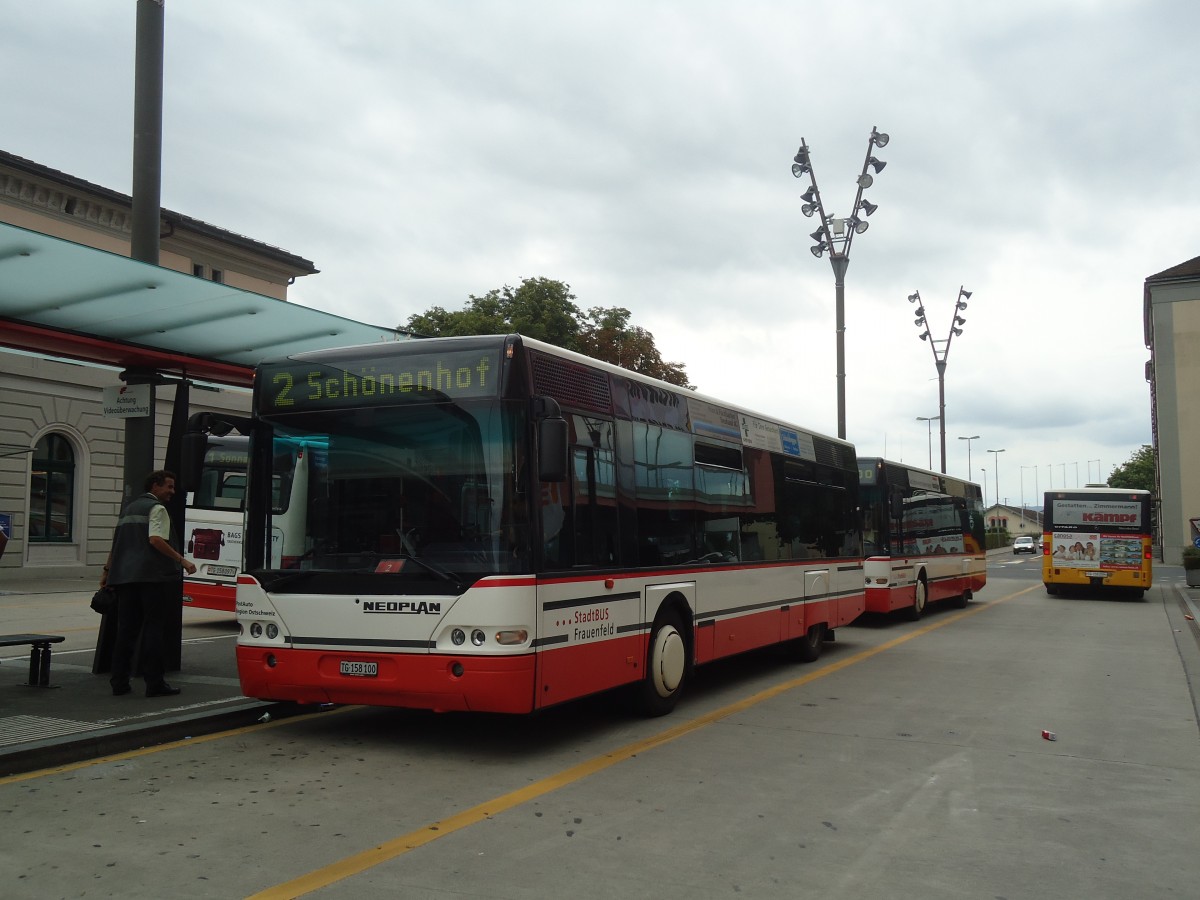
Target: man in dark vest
144, 567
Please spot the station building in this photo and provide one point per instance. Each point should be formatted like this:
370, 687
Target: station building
1171, 308
61, 458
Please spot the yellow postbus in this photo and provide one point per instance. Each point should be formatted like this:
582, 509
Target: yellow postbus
1097, 538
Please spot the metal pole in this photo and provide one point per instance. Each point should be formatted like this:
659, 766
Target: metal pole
941, 370
147, 132
144, 227
840, 263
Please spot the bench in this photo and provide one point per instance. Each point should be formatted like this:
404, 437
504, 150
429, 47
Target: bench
39, 654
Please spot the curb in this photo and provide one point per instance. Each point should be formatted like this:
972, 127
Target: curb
90, 745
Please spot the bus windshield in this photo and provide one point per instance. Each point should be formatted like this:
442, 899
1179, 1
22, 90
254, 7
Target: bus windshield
425, 488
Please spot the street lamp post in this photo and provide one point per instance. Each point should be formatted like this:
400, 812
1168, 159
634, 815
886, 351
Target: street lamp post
973, 437
930, 420
1097, 462
996, 480
836, 235
941, 351
983, 472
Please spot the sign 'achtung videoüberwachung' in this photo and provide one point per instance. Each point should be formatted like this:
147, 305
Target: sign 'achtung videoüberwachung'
126, 401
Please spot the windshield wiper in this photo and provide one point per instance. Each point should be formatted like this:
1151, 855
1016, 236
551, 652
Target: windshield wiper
282, 579
441, 573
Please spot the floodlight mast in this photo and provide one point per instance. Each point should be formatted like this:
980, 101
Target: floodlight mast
941, 351
836, 235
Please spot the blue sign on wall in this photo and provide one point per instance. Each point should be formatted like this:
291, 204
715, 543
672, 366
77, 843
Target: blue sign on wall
6, 525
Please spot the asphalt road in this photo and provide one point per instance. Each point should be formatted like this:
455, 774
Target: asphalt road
908, 762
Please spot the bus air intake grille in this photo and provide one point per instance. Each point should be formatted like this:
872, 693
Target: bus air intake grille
571, 384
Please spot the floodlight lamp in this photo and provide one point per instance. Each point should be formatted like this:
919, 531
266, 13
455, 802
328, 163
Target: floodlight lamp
920, 320
860, 226
809, 196
876, 164
869, 207
924, 335
956, 330
914, 296
808, 209
959, 320
817, 250
818, 235
963, 293
798, 170
961, 304
879, 138
920, 311
801, 156
865, 180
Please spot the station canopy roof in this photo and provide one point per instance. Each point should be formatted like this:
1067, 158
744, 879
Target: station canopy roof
73, 301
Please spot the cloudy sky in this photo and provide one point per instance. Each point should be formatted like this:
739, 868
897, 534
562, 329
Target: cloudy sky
420, 152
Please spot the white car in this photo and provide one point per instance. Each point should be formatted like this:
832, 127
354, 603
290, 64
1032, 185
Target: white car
1025, 544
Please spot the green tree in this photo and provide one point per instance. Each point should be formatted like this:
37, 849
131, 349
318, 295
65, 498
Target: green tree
607, 335
544, 308
1137, 472
540, 308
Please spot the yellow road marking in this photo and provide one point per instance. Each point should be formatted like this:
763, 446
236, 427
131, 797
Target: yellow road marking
367, 859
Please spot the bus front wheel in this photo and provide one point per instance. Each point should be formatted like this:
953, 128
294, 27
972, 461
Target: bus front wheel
666, 667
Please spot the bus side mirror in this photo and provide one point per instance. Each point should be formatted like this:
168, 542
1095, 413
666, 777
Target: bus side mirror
552, 449
195, 446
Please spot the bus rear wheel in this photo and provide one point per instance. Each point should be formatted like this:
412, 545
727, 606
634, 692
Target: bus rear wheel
808, 648
920, 594
666, 667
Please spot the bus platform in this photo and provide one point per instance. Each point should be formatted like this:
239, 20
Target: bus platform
76, 717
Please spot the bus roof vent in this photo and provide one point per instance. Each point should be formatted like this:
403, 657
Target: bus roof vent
831, 454
570, 383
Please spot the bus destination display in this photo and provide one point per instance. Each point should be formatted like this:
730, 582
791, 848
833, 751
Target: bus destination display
377, 381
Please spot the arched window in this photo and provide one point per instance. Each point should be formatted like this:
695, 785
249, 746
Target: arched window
52, 490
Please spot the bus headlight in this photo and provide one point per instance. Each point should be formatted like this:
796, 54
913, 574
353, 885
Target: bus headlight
256, 629
478, 637
458, 637
272, 630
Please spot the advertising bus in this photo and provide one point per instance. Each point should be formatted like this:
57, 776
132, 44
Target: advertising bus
213, 524
216, 512
1097, 538
496, 524
923, 537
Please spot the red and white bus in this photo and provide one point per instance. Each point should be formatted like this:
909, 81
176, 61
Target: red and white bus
923, 536
496, 524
